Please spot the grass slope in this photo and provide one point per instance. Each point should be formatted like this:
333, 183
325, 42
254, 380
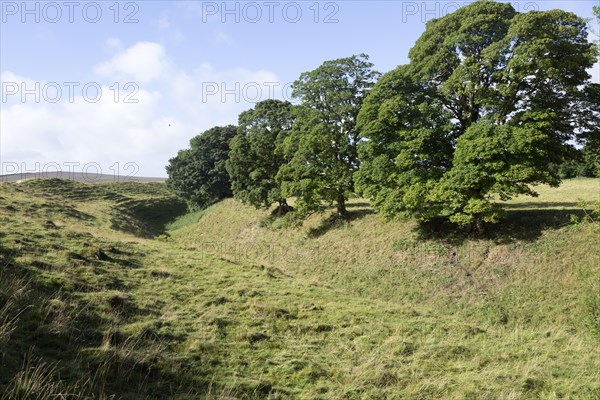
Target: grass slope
97, 300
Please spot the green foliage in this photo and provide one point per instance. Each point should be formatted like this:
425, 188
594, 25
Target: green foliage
409, 144
575, 168
571, 169
491, 160
198, 174
585, 163
322, 146
255, 156
591, 160
591, 212
490, 100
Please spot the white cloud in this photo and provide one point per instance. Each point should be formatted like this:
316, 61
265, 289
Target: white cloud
148, 132
103, 132
143, 62
15, 87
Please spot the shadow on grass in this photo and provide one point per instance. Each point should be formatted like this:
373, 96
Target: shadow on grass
146, 218
334, 221
517, 225
358, 205
63, 209
537, 205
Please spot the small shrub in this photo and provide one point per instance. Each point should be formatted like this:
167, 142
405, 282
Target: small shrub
591, 212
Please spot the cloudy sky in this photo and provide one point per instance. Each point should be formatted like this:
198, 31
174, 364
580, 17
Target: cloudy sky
122, 86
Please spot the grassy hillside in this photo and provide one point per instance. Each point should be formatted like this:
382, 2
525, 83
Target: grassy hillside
98, 299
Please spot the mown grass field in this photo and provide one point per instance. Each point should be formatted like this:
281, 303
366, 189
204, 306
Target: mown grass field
109, 291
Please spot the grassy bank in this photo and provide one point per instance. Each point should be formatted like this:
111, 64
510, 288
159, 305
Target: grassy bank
99, 300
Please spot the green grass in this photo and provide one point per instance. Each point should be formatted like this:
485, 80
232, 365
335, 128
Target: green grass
565, 196
187, 219
221, 304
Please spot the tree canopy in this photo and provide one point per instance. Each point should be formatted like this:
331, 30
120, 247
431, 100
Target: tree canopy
490, 99
322, 146
492, 103
256, 156
198, 174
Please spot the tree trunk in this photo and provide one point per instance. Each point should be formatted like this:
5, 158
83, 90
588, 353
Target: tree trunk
341, 206
477, 224
283, 208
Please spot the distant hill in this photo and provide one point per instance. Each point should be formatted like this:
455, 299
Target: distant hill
77, 177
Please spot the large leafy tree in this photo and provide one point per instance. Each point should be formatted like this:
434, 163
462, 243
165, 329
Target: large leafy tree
322, 146
409, 144
491, 97
255, 156
198, 174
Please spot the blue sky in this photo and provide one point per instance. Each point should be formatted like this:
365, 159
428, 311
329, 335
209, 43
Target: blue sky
157, 73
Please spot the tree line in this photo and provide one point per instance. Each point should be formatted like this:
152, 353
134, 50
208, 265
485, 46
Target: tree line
492, 102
